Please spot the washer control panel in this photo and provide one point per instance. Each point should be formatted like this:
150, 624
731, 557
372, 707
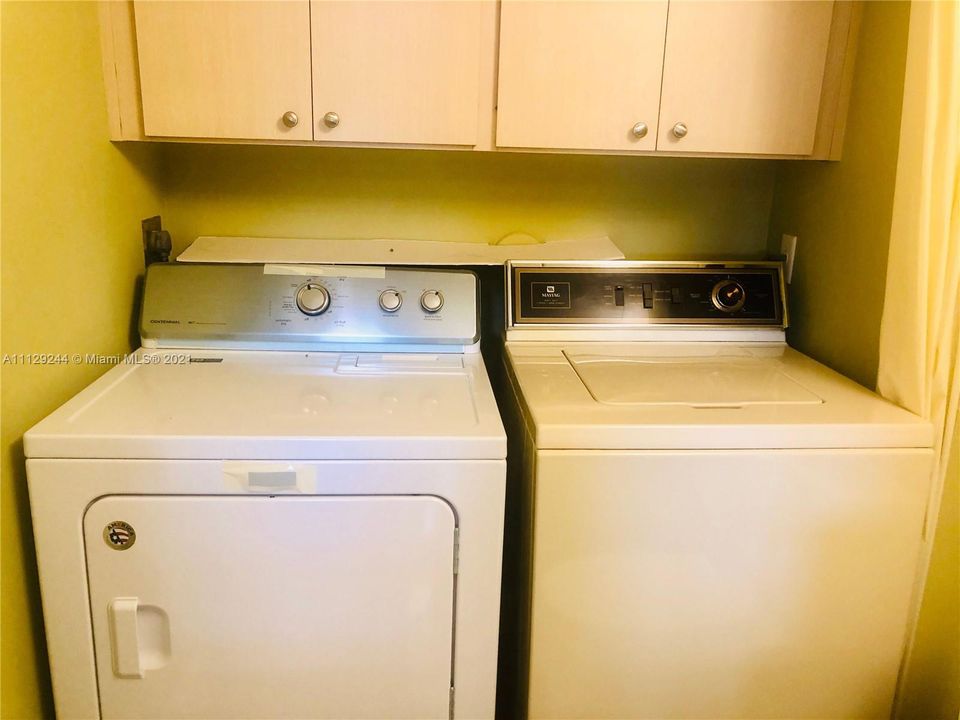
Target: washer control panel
634, 293
250, 305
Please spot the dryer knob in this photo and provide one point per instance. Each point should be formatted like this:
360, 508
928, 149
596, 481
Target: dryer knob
431, 301
313, 299
390, 300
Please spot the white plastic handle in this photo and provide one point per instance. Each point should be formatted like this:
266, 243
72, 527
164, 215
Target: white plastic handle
123, 635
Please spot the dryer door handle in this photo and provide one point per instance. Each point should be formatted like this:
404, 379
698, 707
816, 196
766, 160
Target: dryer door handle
124, 640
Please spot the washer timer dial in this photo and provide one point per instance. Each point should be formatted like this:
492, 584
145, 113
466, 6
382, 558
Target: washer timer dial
728, 296
313, 299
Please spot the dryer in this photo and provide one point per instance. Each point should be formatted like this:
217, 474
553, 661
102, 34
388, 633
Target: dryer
287, 504
713, 524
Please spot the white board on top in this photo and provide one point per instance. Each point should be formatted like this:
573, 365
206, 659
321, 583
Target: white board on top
214, 249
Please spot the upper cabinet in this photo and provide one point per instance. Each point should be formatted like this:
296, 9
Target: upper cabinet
762, 78
580, 75
225, 69
743, 77
396, 72
714, 77
407, 72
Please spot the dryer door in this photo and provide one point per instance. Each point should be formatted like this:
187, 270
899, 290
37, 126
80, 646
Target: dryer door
272, 607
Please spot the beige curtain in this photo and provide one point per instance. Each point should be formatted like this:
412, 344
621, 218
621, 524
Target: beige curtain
920, 330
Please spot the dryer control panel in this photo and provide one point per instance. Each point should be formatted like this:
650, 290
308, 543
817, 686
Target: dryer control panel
309, 307
641, 293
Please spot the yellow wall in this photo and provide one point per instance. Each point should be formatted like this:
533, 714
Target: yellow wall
71, 208
651, 207
841, 211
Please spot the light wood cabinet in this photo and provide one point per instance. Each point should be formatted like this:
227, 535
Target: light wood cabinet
224, 69
580, 75
397, 72
761, 78
740, 77
744, 77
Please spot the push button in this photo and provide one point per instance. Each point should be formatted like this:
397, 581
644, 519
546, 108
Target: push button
618, 295
676, 297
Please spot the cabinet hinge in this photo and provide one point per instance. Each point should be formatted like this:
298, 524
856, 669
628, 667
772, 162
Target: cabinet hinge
456, 552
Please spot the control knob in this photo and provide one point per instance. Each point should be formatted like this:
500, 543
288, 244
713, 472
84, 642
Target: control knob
313, 299
390, 300
728, 296
431, 301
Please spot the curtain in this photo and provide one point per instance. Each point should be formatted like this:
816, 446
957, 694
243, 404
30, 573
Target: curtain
920, 329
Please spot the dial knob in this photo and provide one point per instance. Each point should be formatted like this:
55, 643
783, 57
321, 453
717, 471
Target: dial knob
431, 301
728, 296
390, 300
313, 299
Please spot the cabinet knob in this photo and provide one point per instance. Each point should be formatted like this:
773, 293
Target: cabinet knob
331, 119
639, 130
679, 130
290, 119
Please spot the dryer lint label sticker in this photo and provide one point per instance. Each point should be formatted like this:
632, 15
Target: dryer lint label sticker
119, 535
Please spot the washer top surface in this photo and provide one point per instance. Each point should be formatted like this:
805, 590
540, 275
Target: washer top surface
279, 405
698, 395
691, 376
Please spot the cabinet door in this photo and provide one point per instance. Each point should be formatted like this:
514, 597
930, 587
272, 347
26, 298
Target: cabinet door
224, 69
580, 75
743, 77
396, 72
271, 607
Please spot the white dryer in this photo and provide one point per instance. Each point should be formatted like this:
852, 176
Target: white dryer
288, 504
715, 526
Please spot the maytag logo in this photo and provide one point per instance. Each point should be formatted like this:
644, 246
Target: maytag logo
550, 295
166, 322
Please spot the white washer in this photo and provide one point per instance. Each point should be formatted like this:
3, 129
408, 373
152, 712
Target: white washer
716, 526
289, 504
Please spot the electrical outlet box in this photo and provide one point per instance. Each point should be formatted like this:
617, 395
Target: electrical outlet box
156, 241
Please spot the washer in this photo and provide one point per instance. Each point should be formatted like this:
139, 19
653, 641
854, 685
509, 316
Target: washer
287, 504
714, 525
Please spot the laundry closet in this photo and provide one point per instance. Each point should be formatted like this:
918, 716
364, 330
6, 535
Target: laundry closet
350, 349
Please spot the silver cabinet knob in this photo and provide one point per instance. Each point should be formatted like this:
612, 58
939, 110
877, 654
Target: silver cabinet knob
290, 119
331, 119
679, 130
639, 130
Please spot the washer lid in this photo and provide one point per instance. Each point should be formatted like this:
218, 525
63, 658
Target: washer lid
279, 406
698, 396
718, 379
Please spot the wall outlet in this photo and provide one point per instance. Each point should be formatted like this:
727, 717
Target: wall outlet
788, 248
156, 241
